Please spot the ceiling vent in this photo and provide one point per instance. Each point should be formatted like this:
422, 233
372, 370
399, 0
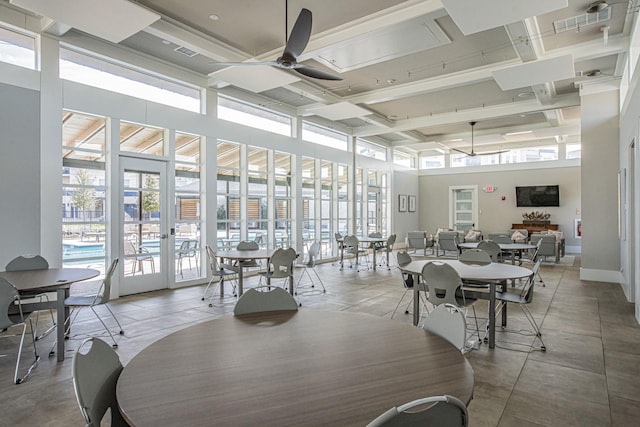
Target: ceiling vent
186, 51
576, 22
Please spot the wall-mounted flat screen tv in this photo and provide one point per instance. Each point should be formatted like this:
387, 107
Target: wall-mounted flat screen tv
538, 196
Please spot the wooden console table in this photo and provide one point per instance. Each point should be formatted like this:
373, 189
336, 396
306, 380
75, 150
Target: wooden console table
535, 228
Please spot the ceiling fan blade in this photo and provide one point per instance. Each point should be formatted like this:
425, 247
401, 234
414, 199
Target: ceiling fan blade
463, 152
299, 36
315, 73
488, 153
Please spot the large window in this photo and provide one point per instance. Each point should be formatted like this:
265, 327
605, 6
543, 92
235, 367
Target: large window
343, 199
531, 154
93, 71
432, 162
283, 199
254, 116
257, 201
308, 180
324, 136
140, 139
83, 190
574, 151
187, 205
370, 149
326, 203
463, 160
228, 195
17, 48
404, 159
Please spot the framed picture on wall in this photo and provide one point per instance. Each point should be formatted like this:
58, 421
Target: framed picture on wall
402, 202
412, 203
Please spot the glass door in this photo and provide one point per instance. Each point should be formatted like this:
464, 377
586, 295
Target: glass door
464, 211
144, 246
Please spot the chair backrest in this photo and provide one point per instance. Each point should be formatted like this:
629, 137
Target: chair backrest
447, 321
254, 301
548, 245
312, 254
27, 262
282, 262
129, 249
247, 245
443, 282
8, 296
259, 239
105, 292
416, 239
438, 411
184, 247
491, 247
403, 258
526, 294
390, 242
475, 256
95, 375
213, 262
448, 240
500, 237
351, 241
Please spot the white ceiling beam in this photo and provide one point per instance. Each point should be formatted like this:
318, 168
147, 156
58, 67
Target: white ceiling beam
434, 84
477, 114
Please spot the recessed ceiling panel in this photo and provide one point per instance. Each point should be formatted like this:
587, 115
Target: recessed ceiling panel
535, 72
112, 20
473, 16
340, 111
255, 78
394, 41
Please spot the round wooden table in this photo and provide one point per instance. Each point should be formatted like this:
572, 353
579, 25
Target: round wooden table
304, 367
490, 273
51, 279
244, 255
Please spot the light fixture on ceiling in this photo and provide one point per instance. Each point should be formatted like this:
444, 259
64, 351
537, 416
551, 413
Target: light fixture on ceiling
524, 132
597, 6
214, 17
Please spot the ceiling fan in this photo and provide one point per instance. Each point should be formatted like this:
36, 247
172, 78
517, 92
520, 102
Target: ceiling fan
473, 153
294, 47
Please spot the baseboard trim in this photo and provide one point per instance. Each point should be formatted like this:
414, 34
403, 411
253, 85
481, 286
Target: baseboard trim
609, 276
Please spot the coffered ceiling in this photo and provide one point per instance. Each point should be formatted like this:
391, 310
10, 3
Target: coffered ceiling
414, 72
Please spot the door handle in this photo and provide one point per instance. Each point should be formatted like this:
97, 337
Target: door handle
164, 236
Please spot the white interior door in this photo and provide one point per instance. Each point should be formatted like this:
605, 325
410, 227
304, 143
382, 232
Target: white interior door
463, 212
144, 246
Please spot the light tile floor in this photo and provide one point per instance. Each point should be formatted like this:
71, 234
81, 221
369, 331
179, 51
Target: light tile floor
588, 376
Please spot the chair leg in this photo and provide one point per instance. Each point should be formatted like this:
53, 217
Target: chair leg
115, 344
398, 305
534, 325
16, 377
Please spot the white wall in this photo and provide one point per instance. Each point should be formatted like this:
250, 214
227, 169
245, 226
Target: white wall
20, 160
600, 164
497, 215
629, 246
405, 183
